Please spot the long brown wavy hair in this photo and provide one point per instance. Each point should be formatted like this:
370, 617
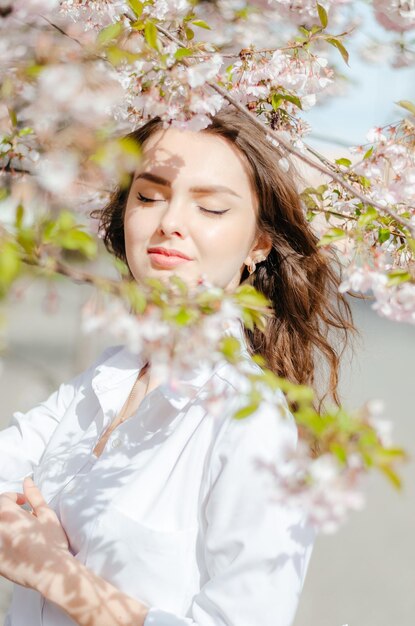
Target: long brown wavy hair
300, 279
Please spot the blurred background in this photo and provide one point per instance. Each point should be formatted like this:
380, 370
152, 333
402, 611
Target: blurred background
364, 575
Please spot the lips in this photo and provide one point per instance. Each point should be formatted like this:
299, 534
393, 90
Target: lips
168, 252
166, 258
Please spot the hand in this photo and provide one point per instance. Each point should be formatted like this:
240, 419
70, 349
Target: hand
31, 543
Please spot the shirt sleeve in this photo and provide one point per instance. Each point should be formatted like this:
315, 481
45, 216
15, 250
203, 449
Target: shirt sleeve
23, 442
256, 550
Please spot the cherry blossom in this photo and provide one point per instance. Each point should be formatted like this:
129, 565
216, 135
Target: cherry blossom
396, 15
322, 487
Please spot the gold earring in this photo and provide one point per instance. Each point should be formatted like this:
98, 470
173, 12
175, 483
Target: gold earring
251, 267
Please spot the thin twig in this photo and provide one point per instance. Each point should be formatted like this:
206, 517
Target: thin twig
10, 169
76, 275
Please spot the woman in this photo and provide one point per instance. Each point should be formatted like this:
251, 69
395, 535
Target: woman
145, 509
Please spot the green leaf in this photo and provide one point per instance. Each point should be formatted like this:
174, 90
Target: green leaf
340, 47
259, 360
201, 24
9, 265
294, 99
65, 233
33, 71
334, 234
26, 237
391, 475
278, 98
405, 104
398, 276
189, 33
138, 25
365, 182
383, 234
345, 162
393, 453
109, 33
136, 6
339, 452
411, 244
230, 348
179, 284
19, 216
25, 131
322, 13
368, 153
135, 296
368, 217
248, 319
183, 316
78, 240
182, 52
150, 34
246, 410
243, 14
316, 29
13, 117
117, 55
121, 266
248, 296
296, 392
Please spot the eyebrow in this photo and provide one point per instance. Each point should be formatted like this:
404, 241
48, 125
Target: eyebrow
159, 180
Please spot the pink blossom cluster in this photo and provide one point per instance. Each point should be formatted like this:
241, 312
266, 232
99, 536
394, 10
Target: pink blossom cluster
397, 53
257, 75
300, 11
167, 9
390, 166
322, 487
395, 302
325, 488
177, 93
96, 14
93, 14
27, 10
395, 15
167, 343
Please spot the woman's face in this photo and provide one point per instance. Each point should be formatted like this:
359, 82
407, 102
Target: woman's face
191, 210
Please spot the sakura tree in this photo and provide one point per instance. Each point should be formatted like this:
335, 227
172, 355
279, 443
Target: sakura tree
77, 75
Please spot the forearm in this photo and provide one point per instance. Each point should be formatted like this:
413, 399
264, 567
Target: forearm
89, 599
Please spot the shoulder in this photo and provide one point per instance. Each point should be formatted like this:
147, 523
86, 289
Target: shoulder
269, 431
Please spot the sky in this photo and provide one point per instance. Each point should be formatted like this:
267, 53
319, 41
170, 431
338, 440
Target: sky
369, 101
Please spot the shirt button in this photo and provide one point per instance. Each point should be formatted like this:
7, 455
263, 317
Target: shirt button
116, 443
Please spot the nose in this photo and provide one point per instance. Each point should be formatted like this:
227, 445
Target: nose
172, 220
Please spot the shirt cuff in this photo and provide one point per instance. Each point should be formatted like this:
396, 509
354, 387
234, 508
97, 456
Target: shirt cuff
158, 617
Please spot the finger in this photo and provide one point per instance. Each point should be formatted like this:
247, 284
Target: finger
18, 498
33, 495
40, 507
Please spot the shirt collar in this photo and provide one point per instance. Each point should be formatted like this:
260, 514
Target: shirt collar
124, 364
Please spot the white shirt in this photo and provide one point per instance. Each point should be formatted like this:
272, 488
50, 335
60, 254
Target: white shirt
174, 512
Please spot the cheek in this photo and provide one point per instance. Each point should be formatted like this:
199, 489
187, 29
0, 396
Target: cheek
136, 229
227, 239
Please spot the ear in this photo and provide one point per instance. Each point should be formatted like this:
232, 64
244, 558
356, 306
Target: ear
260, 249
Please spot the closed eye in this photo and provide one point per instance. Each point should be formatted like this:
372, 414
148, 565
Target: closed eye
149, 200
